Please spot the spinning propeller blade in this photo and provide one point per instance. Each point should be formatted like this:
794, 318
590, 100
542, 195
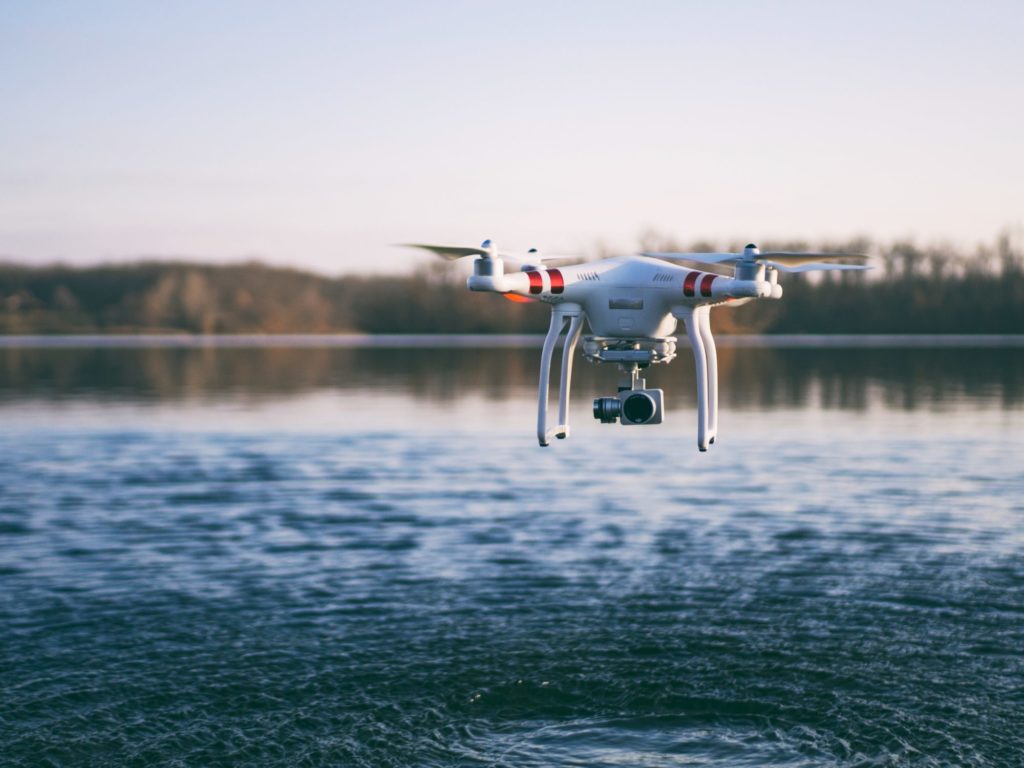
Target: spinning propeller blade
784, 261
534, 256
453, 252
792, 259
449, 252
814, 266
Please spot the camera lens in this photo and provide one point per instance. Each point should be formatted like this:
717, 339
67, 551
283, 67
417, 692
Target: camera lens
638, 408
607, 409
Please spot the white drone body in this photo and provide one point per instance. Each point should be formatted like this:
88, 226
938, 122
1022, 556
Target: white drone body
632, 305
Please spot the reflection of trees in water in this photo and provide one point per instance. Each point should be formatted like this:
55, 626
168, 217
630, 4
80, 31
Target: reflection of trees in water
851, 378
770, 378
159, 373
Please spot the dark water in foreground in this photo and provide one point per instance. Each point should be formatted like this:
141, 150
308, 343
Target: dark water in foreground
360, 557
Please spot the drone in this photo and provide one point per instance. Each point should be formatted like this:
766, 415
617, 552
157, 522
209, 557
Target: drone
632, 305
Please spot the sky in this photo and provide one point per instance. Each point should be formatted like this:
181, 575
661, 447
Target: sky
319, 134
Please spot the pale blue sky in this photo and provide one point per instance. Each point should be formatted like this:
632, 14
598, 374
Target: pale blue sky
318, 133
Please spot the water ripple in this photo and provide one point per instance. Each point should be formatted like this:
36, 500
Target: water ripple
212, 598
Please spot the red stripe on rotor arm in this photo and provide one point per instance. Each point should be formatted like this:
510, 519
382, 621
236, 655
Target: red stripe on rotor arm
689, 283
536, 282
705, 284
557, 281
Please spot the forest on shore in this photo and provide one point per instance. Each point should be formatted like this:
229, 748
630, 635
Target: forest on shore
912, 289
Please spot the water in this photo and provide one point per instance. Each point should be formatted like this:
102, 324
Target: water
316, 556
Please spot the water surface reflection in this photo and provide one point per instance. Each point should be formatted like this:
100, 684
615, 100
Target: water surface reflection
750, 378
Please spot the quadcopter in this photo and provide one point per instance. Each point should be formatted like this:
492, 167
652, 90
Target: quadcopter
632, 305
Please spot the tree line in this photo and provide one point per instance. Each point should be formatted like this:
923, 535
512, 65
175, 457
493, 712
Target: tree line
913, 289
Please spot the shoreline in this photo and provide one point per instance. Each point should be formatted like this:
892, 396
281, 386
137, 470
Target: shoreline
510, 341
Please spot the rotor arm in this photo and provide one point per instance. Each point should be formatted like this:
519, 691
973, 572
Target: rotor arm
489, 275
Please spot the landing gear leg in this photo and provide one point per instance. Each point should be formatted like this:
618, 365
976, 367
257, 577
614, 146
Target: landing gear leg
703, 315
568, 351
560, 314
691, 317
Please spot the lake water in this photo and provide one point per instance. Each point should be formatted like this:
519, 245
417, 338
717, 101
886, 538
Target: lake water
357, 556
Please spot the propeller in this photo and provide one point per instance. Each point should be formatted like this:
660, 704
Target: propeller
784, 261
488, 251
449, 252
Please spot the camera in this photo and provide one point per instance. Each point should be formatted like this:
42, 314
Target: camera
631, 407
